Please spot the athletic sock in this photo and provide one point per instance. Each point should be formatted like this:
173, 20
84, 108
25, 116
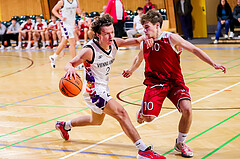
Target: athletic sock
43, 43
35, 43
141, 145
19, 43
55, 55
181, 137
68, 125
55, 42
47, 43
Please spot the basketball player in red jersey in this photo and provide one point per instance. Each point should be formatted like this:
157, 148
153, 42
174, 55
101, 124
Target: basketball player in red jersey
163, 76
52, 31
39, 31
25, 31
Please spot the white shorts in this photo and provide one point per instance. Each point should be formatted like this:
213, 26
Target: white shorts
97, 102
67, 32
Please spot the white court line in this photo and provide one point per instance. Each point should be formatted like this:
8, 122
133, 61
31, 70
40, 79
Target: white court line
112, 137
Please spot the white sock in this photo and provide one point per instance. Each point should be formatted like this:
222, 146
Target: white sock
29, 44
35, 43
78, 43
19, 43
181, 137
55, 42
43, 43
141, 145
55, 55
47, 43
68, 125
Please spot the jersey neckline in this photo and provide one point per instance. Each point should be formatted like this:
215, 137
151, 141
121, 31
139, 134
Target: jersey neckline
106, 52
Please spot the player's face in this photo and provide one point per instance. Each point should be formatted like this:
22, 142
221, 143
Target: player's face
29, 21
223, 2
150, 29
107, 35
14, 22
39, 20
139, 12
53, 19
238, 2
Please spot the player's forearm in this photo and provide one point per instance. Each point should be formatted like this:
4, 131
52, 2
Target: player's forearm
55, 12
136, 63
68, 66
203, 56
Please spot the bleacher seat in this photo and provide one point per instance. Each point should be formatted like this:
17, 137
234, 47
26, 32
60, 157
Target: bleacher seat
129, 12
93, 14
163, 12
135, 13
33, 17
23, 17
21, 21
16, 17
131, 17
6, 23
42, 16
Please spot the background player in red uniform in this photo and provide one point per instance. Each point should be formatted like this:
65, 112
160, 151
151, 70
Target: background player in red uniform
25, 31
39, 31
52, 31
163, 76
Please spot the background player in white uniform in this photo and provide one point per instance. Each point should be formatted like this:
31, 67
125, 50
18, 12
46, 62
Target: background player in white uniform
68, 9
39, 30
97, 56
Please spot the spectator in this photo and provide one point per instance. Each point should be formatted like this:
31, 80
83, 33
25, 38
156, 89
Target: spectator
2, 34
137, 26
116, 9
184, 9
52, 31
224, 16
148, 6
39, 31
12, 32
84, 25
25, 31
236, 16
104, 8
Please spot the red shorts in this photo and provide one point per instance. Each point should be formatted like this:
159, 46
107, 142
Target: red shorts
155, 95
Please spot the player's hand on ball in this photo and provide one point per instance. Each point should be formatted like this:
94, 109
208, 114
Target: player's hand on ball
126, 73
71, 72
218, 66
149, 42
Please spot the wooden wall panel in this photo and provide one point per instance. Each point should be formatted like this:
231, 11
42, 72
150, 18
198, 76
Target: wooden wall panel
97, 5
19, 7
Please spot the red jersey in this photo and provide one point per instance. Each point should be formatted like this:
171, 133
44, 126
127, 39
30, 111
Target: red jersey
53, 25
26, 25
162, 61
41, 26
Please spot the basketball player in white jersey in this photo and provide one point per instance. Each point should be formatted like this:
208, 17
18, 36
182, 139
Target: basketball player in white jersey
98, 56
68, 9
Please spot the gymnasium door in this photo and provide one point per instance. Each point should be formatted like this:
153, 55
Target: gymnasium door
199, 18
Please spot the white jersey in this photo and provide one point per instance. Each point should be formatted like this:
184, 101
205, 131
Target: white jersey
69, 11
95, 85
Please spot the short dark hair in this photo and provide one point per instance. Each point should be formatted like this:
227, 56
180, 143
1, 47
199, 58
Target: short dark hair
27, 17
152, 17
14, 19
139, 8
38, 16
99, 22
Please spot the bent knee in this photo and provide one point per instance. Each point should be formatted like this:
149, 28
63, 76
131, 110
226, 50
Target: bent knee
148, 118
121, 114
185, 107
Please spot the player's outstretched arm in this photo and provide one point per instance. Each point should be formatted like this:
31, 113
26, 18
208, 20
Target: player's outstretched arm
134, 41
84, 55
56, 8
79, 11
178, 41
136, 63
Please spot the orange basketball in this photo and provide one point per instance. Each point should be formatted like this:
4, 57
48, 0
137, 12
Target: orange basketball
70, 87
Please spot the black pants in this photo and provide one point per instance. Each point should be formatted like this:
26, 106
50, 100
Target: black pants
2, 37
186, 24
11, 36
234, 22
119, 28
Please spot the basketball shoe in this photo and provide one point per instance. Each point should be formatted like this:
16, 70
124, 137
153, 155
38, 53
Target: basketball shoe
184, 149
149, 153
52, 58
60, 127
139, 117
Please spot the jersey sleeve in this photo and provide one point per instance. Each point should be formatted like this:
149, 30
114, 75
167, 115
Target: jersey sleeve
178, 51
141, 45
22, 25
44, 25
